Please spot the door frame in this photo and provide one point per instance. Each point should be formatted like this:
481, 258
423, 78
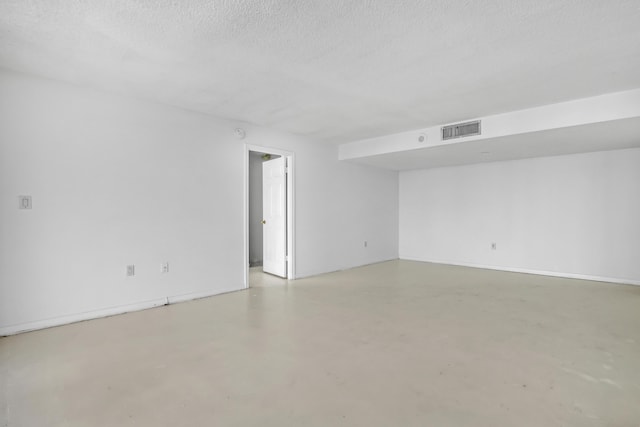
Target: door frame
290, 156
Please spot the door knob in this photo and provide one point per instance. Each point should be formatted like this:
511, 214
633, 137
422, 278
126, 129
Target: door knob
263, 221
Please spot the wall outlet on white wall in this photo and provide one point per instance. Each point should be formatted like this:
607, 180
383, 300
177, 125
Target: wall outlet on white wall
24, 202
164, 267
131, 270
365, 243
494, 246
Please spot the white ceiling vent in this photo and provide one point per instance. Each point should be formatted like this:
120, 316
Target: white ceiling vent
461, 130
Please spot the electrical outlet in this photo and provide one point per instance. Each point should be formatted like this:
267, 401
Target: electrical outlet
494, 246
24, 202
365, 243
164, 267
131, 270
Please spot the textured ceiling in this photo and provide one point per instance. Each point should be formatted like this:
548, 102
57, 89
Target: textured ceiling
333, 70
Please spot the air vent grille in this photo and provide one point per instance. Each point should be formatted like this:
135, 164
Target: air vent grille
461, 130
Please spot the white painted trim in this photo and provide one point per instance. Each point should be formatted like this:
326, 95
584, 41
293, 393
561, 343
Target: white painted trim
197, 295
529, 271
291, 272
291, 250
245, 217
87, 315
106, 312
322, 273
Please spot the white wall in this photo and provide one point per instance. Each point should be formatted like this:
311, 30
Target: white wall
338, 206
117, 181
576, 216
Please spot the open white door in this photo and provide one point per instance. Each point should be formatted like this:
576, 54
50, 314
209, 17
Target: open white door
274, 217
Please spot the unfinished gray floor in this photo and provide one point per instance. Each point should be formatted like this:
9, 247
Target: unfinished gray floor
393, 344
259, 279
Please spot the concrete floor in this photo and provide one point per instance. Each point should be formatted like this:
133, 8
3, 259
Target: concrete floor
259, 279
393, 344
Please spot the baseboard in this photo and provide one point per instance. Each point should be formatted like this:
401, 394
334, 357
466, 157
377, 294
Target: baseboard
79, 317
105, 312
197, 295
312, 274
528, 271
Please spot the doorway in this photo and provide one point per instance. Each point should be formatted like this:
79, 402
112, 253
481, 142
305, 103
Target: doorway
269, 215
